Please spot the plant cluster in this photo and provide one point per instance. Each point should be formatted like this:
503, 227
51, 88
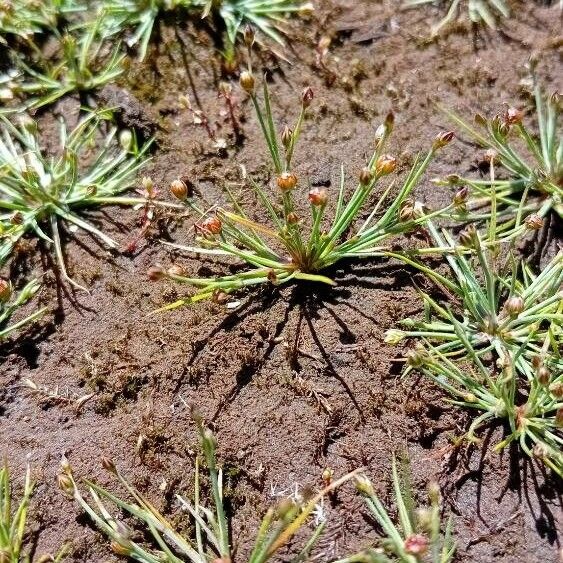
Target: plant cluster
13, 522
291, 247
39, 191
11, 301
418, 532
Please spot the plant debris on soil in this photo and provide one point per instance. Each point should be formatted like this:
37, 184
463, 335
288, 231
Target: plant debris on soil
292, 379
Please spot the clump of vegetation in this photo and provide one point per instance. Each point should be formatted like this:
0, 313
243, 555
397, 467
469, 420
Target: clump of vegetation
499, 305
39, 190
84, 63
11, 301
265, 15
24, 18
418, 535
291, 248
13, 523
479, 11
534, 163
210, 540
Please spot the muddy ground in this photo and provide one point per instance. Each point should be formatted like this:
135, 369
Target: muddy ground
297, 378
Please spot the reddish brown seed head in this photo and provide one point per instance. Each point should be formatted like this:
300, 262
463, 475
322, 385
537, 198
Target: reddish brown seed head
543, 375
513, 116
307, 97
460, 197
5, 290
443, 139
247, 82
416, 545
385, 164
318, 197
515, 305
179, 189
366, 176
533, 222
212, 225
286, 181
155, 273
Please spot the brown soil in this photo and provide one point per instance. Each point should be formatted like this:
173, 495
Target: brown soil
297, 378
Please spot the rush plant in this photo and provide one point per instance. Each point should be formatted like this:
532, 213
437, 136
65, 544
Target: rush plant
24, 18
291, 248
531, 406
266, 15
417, 536
479, 11
210, 539
534, 165
84, 63
39, 191
11, 301
499, 306
13, 522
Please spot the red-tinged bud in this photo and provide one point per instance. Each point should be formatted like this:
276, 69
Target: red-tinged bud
156, 273
307, 97
212, 225
416, 545
176, 270
460, 197
443, 139
385, 165
5, 290
515, 305
286, 181
366, 176
292, 218
318, 197
533, 222
179, 189
247, 82
513, 116
543, 375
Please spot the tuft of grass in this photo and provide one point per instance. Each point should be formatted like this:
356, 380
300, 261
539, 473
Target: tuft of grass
13, 523
291, 247
418, 534
266, 15
533, 163
25, 18
479, 11
210, 539
39, 191
11, 301
83, 63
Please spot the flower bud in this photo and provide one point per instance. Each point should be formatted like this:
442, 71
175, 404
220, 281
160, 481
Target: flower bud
318, 197
556, 390
539, 451
385, 164
327, 476
126, 139
543, 375
307, 97
366, 176
491, 156
434, 492
424, 519
155, 273
460, 197
16, 218
147, 184
470, 398
468, 237
179, 189
212, 225
249, 35
108, 465
65, 484
219, 296
416, 358
5, 290
286, 137
443, 139
394, 336
364, 486
533, 222
514, 305
513, 116
121, 547
407, 210
247, 82
286, 181
292, 218
176, 270
416, 545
